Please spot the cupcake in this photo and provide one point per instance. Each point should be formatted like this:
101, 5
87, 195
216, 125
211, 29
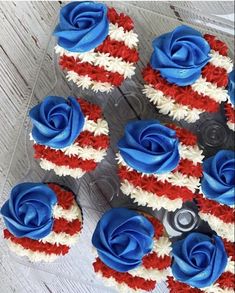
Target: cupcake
42, 221
70, 136
229, 106
133, 251
159, 165
97, 46
217, 200
187, 74
201, 263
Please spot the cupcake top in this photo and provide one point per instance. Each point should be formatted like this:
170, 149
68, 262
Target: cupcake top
133, 251
188, 74
70, 135
97, 46
42, 221
159, 165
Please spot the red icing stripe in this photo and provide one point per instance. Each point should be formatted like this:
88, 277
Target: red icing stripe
217, 45
60, 159
132, 282
64, 198
96, 73
230, 112
214, 74
87, 138
223, 212
94, 112
182, 95
153, 261
187, 167
230, 248
118, 49
120, 19
153, 185
157, 225
184, 135
178, 287
71, 228
226, 280
35, 245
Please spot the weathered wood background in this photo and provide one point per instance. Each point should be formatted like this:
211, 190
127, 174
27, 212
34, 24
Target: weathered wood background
28, 72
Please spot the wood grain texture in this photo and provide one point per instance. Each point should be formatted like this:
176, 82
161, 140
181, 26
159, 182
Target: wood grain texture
28, 73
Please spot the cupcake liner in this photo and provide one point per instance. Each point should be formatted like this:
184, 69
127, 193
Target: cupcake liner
230, 115
108, 65
155, 266
85, 153
204, 95
66, 229
167, 190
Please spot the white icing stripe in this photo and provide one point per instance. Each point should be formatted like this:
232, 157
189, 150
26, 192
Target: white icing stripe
129, 38
191, 153
215, 288
162, 246
206, 88
110, 63
175, 178
230, 266
32, 255
225, 230
121, 287
149, 199
167, 106
150, 274
73, 213
61, 238
61, 170
231, 125
85, 82
85, 153
98, 128
221, 61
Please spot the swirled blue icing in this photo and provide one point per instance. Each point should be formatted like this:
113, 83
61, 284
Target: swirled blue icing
28, 212
231, 86
149, 147
198, 260
180, 55
82, 26
218, 181
122, 237
56, 122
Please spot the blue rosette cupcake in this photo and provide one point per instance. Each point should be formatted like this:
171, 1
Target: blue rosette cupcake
97, 46
216, 206
200, 264
133, 251
159, 166
70, 136
42, 221
187, 74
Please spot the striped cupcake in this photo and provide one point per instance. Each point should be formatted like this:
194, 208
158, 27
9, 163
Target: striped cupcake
98, 53
155, 188
72, 146
42, 221
223, 284
191, 77
154, 265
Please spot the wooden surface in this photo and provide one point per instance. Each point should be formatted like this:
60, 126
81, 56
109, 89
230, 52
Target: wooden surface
28, 73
